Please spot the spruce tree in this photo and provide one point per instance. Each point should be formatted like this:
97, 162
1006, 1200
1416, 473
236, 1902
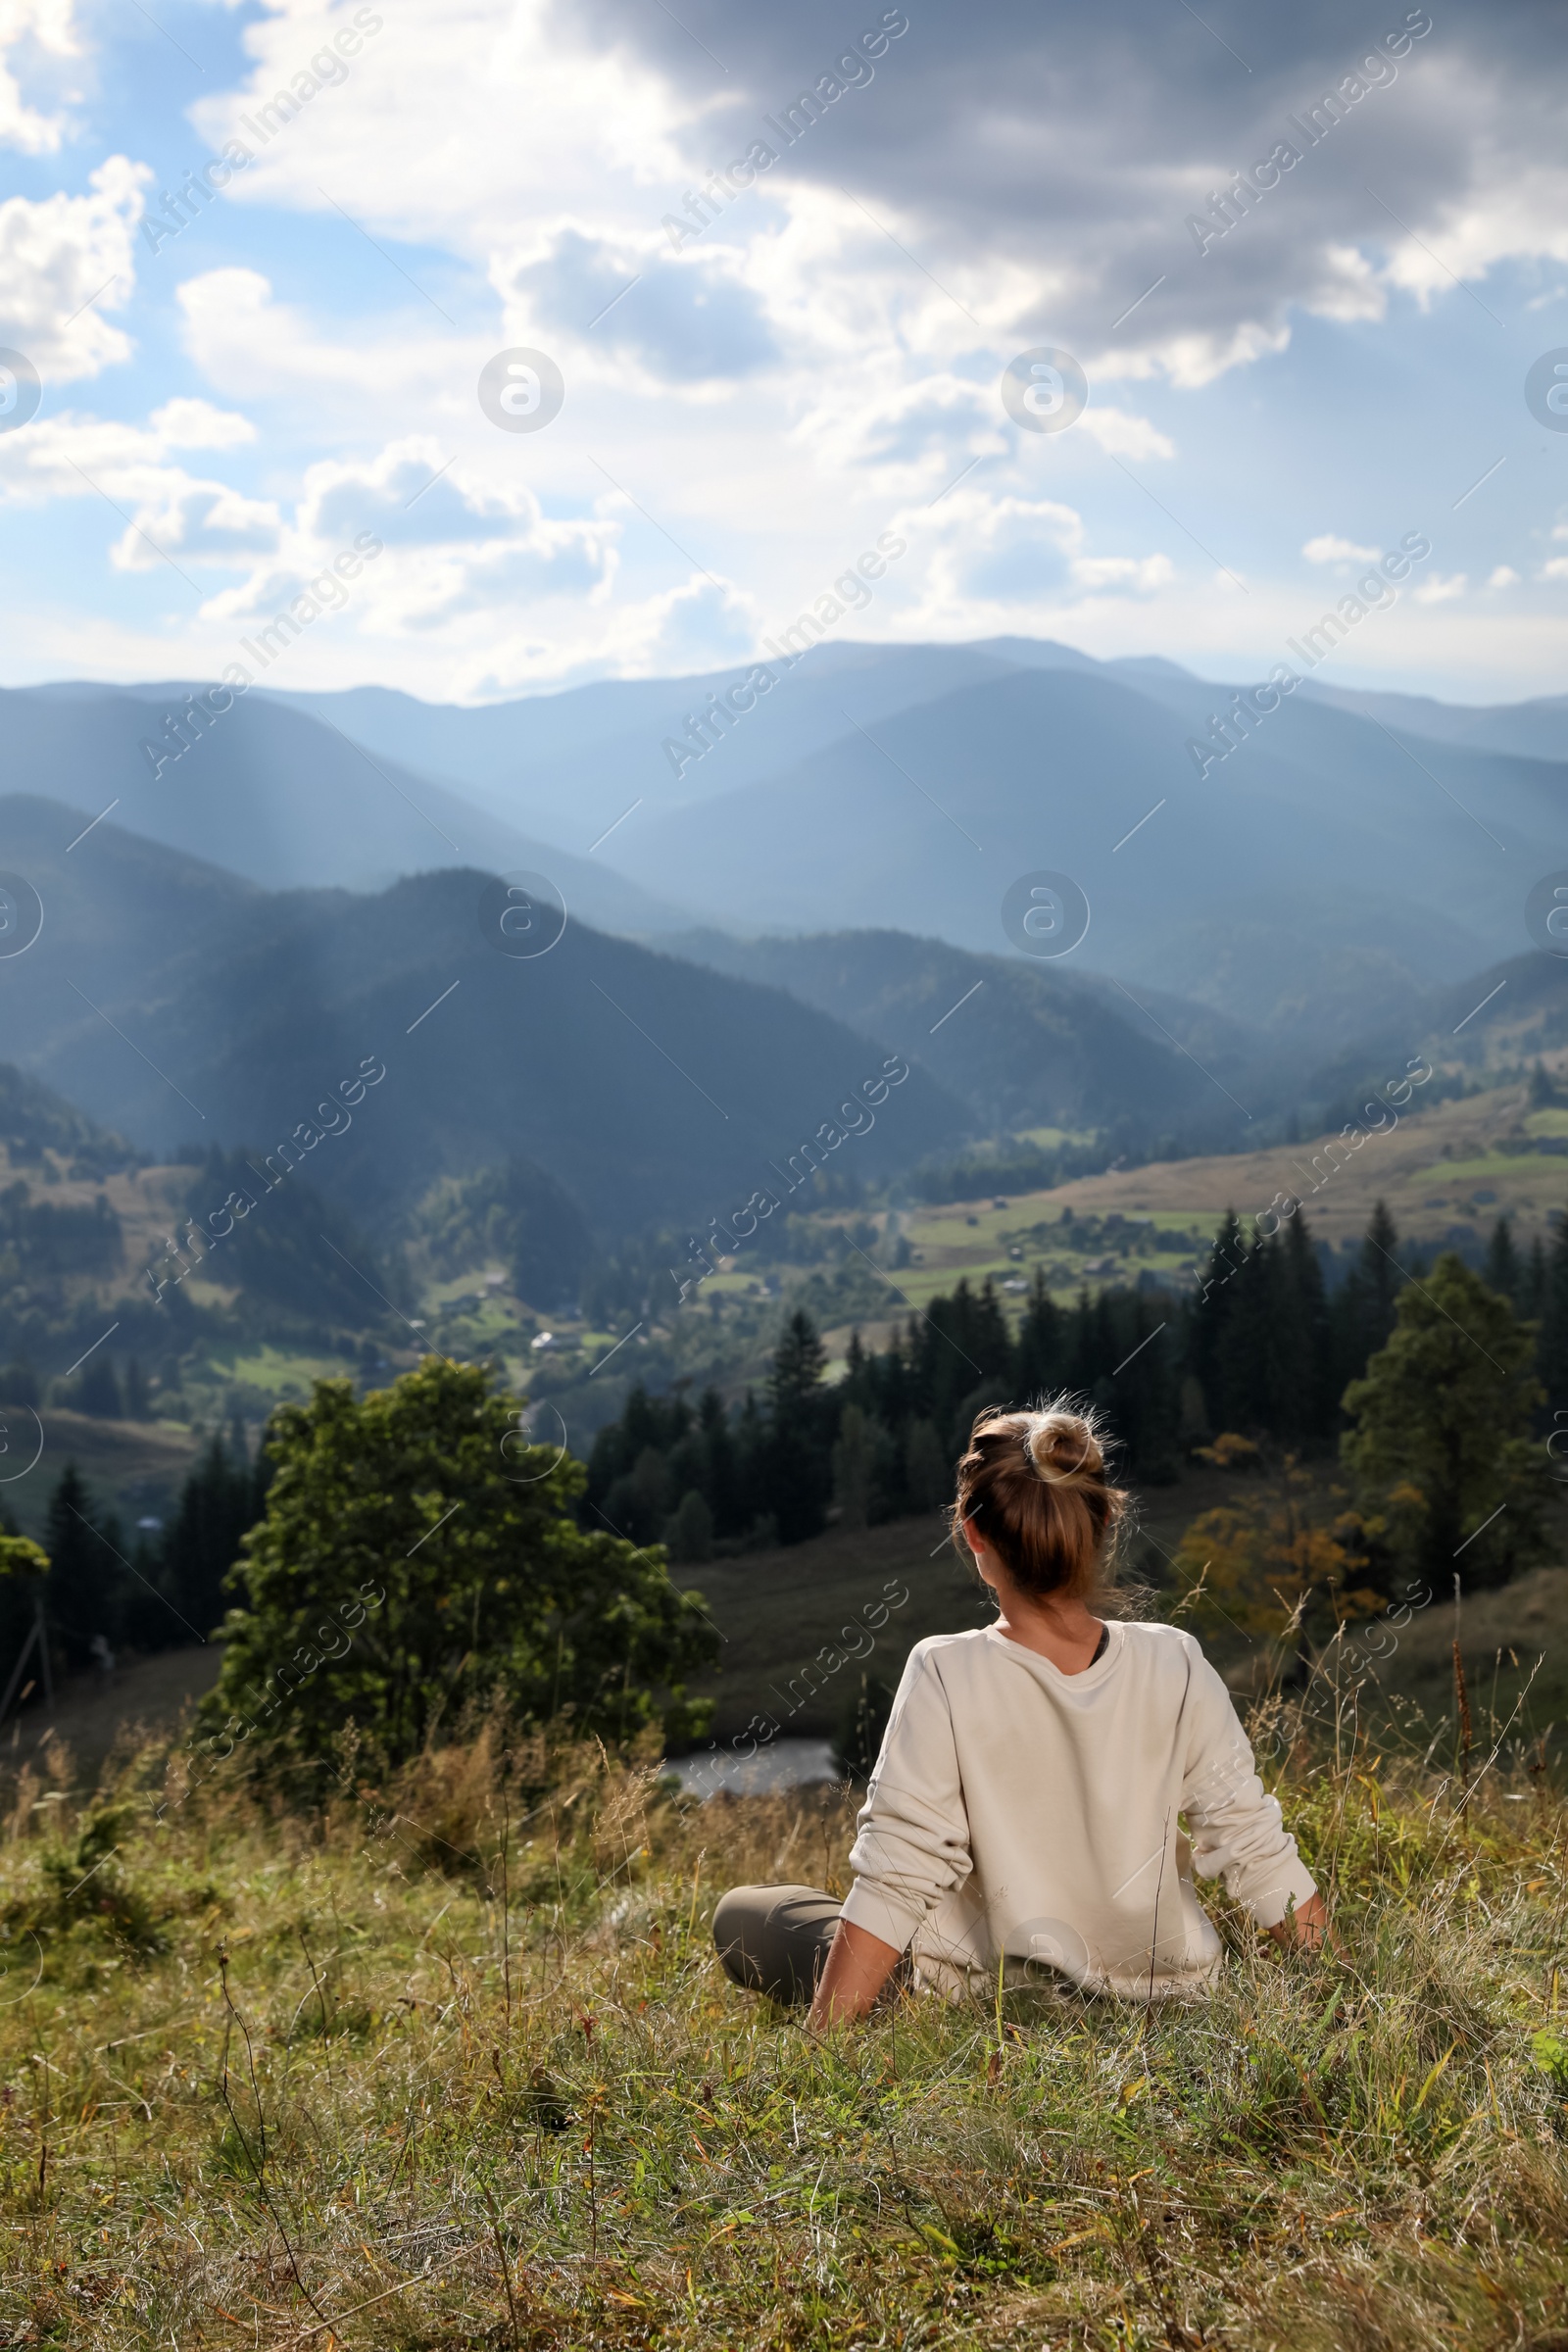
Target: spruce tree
1361, 1315
85, 1577
928, 1469
1211, 1314
218, 1502
1502, 1270
751, 1504
1534, 1287
799, 1477
1040, 1356
1307, 1405
1380, 1253
1551, 1347
719, 1483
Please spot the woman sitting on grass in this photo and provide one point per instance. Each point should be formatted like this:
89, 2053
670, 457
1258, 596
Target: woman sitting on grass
1022, 1818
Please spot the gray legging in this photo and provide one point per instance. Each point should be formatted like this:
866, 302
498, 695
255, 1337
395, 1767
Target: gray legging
776, 1939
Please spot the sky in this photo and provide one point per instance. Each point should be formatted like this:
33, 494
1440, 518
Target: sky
270, 268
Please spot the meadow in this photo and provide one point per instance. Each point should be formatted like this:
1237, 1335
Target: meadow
451, 2064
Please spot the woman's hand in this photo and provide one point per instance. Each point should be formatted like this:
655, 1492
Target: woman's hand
859, 1965
1305, 1927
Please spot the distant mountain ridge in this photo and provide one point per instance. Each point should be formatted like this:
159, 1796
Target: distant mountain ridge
1023, 1045
1349, 853
186, 1007
280, 799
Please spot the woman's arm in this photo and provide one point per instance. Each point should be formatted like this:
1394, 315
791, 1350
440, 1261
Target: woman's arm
859, 1965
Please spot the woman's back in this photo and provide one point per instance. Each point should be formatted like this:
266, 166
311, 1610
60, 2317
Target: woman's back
1017, 1811
1025, 1809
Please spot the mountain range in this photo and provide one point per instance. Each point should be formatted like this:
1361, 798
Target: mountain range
1351, 852
185, 1007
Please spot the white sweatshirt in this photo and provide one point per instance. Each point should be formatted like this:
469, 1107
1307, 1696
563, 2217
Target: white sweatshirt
1020, 1814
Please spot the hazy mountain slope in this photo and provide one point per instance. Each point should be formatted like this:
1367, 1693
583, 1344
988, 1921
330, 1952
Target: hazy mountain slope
572, 762
1318, 882
925, 827
1022, 1044
648, 1086
281, 797
1533, 730
34, 1119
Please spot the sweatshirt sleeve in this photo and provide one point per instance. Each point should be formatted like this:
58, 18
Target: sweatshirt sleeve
1238, 1831
912, 1841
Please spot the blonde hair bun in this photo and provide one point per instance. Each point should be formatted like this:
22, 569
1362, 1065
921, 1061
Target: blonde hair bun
1033, 1485
1063, 1448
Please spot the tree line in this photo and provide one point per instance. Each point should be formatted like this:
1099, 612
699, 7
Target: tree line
1261, 1348
1262, 1351
145, 1591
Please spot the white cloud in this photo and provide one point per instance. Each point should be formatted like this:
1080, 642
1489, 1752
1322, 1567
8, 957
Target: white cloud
1139, 576
64, 261
509, 124
681, 322
1504, 576
247, 343
1441, 588
47, 25
1122, 435
197, 424
918, 435
1327, 548
1556, 570
695, 626
172, 513
458, 548
998, 563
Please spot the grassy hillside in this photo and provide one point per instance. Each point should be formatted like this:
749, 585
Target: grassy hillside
135, 1467
457, 2067
1447, 1173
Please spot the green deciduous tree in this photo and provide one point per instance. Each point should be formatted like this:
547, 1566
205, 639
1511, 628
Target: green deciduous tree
415, 1559
22, 1565
1440, 1439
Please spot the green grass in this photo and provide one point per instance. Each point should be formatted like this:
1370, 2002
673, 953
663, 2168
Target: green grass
1491, 1165
453, 2067
276, 1371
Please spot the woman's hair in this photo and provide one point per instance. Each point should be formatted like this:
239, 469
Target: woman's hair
1034, 1486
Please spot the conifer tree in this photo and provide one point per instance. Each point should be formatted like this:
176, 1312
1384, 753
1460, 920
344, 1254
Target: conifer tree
85, 1577
1041, 1350
1308, 1403
1503, 1271
799, 1478
1533, 1286
219, 1501
1362, 1316
1212, 1311
1553, 1346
